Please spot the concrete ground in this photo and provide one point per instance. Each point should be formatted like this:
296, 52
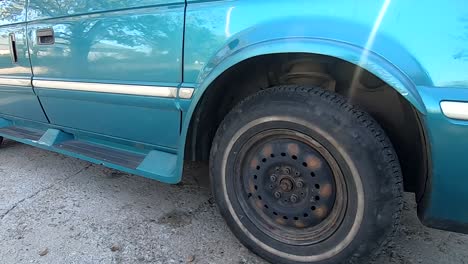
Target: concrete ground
56, 209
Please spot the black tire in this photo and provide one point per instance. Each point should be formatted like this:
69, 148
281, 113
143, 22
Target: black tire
342, 205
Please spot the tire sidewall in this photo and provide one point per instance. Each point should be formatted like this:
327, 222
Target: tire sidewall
357, 154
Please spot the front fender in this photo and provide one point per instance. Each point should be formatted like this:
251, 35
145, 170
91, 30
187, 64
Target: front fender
373, 63
209, 55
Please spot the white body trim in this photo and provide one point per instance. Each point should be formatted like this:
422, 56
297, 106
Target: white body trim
144, 90
15, 82
455, 110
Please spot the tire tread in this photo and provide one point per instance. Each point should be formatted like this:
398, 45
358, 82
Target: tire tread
392, 168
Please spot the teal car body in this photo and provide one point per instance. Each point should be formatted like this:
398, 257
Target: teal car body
118, 83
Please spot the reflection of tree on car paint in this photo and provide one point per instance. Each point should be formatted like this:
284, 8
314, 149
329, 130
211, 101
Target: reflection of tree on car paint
85, 40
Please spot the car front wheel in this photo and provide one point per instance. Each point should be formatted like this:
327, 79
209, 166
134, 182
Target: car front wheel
302, 176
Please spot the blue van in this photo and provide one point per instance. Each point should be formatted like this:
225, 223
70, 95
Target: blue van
314, 116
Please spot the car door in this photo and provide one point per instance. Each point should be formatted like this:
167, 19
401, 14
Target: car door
17, 98
109, 67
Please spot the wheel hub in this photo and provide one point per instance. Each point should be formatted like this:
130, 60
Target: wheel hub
290, 184
286, 185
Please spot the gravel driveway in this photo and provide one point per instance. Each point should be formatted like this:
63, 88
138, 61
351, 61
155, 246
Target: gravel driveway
56, 209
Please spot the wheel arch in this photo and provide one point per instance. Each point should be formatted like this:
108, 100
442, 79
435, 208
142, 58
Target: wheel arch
361, 58
231, 55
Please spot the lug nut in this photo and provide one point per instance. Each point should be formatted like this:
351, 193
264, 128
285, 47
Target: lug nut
277, 195
300, 184
287, 170
293, 198
273, 178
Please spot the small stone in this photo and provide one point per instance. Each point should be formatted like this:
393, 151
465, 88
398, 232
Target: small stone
190, 259
115, 248
43, 252
211, 200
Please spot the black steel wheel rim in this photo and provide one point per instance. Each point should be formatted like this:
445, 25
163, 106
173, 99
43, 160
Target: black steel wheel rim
290, 187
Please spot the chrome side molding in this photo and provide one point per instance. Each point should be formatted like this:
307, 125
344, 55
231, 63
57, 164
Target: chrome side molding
455, 110
144, 90
185, 93
15, 82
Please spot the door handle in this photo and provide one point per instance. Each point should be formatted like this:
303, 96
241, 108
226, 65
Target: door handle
13, 52
45, 36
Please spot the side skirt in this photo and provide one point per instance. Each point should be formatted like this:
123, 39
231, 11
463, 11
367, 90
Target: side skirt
151, 163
